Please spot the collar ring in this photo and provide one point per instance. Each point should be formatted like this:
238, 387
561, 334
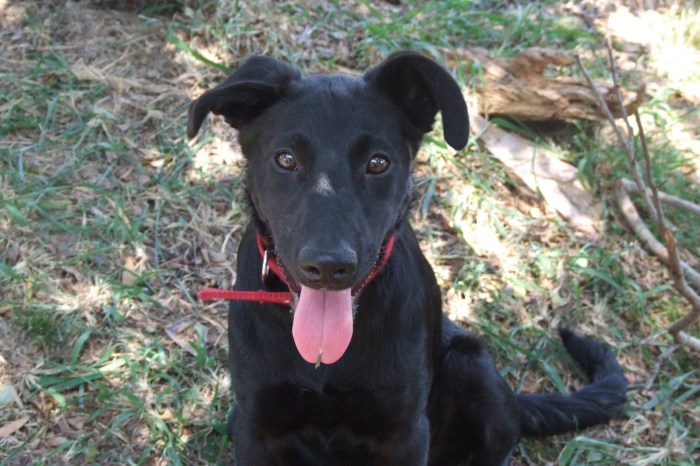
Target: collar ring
265, 267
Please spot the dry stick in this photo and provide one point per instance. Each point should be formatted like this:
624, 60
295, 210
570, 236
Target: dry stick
665, 198
657, 367
671, 262
629, 211
616, 86
666, 255
676, 329
669, 255
660, 217
676, 264
627, 146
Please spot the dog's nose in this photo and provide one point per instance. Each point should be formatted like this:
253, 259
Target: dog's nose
333, 270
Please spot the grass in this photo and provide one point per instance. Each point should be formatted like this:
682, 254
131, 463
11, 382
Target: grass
110, 221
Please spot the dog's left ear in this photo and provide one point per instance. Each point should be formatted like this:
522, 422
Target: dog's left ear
250, 90
420, 88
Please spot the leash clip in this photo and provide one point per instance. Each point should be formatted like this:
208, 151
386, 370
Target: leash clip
265, 267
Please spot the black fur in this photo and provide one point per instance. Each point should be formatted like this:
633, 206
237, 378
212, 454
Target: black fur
412, 388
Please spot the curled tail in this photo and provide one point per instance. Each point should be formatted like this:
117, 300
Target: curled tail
549, 414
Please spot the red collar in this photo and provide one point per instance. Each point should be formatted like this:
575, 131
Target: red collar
285, 297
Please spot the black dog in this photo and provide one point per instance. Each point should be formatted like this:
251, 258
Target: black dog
365, 369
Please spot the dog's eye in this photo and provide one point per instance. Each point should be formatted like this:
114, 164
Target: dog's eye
377, 164
286, 160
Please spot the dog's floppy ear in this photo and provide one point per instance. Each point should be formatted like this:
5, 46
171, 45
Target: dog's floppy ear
420, 88
256, 85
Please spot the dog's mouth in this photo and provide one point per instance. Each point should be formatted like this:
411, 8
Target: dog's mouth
323, 319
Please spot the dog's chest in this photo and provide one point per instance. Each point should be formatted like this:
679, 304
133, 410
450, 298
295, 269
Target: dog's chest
377, 414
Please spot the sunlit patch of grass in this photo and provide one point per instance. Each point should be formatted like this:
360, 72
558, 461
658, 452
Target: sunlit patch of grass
459, 23
674, 51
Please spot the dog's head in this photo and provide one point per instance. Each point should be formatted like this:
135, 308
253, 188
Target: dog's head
329, 168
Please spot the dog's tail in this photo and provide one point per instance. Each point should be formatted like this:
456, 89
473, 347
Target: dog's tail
548, 414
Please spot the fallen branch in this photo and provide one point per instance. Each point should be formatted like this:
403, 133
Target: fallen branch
673, 201
516, 87
543, 173
621, 191
652, 198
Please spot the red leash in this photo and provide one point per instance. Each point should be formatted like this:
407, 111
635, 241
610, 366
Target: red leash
284, 297
279, 297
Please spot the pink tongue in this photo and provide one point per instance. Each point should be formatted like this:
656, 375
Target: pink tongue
322, 324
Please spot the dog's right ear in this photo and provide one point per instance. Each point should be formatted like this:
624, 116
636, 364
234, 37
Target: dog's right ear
257, 84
